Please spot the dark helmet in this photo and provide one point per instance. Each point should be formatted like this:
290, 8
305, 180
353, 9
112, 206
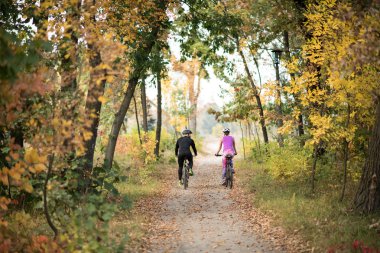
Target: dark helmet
226, 130
186, 131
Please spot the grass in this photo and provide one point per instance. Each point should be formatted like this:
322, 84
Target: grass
320, 218
142, 184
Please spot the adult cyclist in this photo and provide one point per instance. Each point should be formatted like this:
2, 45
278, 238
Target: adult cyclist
229, 148
182, 150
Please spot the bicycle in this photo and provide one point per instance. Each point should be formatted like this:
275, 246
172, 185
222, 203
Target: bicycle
185, 174
229, 171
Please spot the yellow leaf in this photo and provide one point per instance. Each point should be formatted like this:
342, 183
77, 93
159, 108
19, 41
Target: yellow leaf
28, 187
31, 156
39, 167
102, 99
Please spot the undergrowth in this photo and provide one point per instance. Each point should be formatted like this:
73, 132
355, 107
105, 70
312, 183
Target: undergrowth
319, 217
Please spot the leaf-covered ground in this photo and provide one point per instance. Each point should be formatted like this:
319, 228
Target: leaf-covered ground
207, 217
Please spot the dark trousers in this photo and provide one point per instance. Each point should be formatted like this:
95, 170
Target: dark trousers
181, 160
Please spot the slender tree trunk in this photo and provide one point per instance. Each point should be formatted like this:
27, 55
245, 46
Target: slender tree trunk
242, 139
137, 120
367, 199
258, 138
198, 91
345, 154
95, 91
258, 69
191, 74
118, 121
159, 116
258, 99
301, 131
279, 121
93, 108
141, 55
314, 167
46, 209
249, 130
144, 106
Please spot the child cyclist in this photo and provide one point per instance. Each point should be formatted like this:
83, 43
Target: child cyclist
229, 148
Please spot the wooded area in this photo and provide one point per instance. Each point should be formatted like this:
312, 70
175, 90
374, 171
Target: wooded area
73, 72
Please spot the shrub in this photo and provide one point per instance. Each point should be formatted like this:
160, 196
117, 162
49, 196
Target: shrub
290, 161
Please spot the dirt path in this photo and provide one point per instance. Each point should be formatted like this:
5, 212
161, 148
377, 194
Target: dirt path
204, 218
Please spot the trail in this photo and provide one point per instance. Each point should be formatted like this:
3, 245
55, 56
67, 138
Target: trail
204, 218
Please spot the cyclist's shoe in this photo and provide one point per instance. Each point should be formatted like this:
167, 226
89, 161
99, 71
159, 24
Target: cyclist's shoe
224, 181
233, 171
180, 183
191, 173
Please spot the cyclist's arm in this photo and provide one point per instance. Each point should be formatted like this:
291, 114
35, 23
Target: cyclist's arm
176, 148
220, 146
194, 149
234, 146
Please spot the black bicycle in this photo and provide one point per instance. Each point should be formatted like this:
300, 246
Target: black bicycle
229, 171
185, 174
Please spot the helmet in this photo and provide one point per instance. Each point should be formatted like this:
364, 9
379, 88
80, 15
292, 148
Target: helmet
226, 130
186, 131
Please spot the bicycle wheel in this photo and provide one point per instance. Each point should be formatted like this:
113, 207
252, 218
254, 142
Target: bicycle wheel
231, 180
229, 176
185, 175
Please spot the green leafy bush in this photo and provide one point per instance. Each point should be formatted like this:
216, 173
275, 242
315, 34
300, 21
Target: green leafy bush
290, 161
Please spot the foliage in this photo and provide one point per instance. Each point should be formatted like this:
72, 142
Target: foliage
321, 219
289, 162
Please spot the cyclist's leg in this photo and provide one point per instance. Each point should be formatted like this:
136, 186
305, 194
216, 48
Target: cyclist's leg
189, 158
181, 160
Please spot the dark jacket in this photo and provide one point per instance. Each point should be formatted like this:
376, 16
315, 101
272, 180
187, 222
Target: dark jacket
183, 146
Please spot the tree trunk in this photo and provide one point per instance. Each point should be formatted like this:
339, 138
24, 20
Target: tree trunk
300, 127
242, 139
159, 116
144, 107
195, 106
249, 130
258, 99
191, 74
141, 56
367, 199
345, 154
93, 108
118, 121
279, 121
314, 167
137, 120
258, 69
258, 138
46, 210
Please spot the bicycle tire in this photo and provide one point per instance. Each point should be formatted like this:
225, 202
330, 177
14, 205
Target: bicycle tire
185, 176
229, 176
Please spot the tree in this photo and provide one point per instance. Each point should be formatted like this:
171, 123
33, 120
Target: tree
158, 24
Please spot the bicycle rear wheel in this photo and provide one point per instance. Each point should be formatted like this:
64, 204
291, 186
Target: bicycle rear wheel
229, 177
185, 176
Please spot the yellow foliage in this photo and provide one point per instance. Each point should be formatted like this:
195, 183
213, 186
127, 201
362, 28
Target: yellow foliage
4, 202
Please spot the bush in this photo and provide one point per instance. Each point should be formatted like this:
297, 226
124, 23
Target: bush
288, 162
